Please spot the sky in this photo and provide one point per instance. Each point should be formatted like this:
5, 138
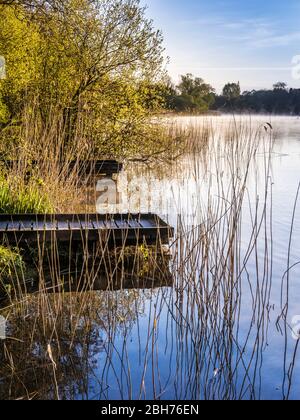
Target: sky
253, 41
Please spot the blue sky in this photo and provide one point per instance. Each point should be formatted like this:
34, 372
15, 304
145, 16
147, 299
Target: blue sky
250, 41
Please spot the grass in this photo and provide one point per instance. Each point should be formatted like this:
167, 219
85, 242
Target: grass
18, 197
10, 261
11, 268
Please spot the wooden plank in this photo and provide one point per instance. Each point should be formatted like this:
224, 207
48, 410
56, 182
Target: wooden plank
146, 224
110, 224
49, 226
98, 224
134, 224
114, 228
63, 225
13, 226
26, 225
3, 225
122, 224
86, 225
82, 167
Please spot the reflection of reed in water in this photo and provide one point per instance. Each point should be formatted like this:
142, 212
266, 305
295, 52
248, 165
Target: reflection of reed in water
57, 334
203, 335
55, 354
83, 268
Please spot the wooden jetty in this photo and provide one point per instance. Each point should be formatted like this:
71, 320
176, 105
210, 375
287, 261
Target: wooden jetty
98, 167
82, 167
110, 230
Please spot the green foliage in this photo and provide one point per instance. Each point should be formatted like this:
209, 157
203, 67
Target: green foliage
279, 100
84, 61
280, 86
232, 91
10, 262
20, 198
19, 46
194, 95
119, 123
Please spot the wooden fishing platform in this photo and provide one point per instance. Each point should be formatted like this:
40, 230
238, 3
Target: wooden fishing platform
98, 167
82, 167
109, 230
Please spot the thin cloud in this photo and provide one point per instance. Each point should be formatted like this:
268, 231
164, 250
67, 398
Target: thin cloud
257, 33
207, 21
277, 40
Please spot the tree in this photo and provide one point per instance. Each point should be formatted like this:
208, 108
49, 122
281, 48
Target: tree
72, 50
19, 46
195, 94
195, 87
280, 100
280, 86
232, 91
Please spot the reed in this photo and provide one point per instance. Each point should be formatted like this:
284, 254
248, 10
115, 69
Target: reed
150, 322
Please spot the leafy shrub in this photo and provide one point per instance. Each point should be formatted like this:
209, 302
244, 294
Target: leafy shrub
10, 262
17, 197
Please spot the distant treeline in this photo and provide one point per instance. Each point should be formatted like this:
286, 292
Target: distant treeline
196, 96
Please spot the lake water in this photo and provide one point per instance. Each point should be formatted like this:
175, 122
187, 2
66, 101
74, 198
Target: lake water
225, 325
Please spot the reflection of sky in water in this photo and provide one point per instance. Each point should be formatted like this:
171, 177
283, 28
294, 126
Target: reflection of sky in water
188, 195
156, 343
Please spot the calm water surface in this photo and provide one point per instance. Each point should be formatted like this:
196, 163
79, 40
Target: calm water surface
173, 343
256, 355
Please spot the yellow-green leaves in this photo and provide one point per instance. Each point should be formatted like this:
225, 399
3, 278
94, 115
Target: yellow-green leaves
94, 65
19, 42
10, 262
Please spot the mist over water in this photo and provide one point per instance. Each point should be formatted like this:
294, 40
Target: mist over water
260, 356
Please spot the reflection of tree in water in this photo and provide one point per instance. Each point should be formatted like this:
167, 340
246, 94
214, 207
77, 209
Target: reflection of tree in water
52, 353
77, 345
56, 339
206, 337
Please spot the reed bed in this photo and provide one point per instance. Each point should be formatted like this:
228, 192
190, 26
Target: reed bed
156, 323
